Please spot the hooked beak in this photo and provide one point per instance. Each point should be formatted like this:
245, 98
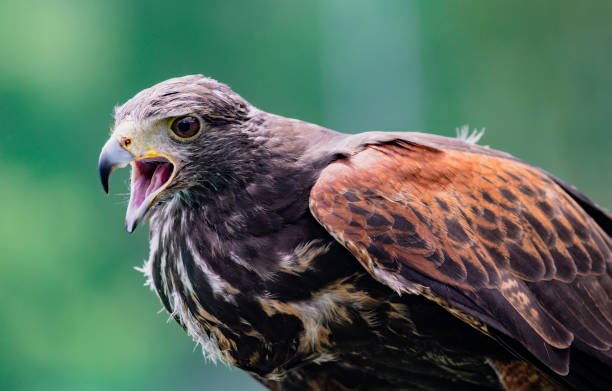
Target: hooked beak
151, 174
113, 156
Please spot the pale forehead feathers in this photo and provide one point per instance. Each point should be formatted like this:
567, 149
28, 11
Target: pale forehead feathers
180, 96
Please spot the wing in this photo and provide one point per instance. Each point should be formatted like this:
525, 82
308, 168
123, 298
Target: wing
481, 233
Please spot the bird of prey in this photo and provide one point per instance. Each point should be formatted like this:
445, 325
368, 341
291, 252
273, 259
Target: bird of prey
316, 260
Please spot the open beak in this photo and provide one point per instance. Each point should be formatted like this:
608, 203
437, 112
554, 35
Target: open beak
151, 174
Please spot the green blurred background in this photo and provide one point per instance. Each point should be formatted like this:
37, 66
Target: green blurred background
75, 315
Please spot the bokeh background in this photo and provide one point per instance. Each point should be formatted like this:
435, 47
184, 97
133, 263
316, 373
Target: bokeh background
74, 313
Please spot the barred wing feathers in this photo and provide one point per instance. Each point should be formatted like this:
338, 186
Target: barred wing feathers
491, 236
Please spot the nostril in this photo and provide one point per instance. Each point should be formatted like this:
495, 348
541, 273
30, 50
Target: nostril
126, 141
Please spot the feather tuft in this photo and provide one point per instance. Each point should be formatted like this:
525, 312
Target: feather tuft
463, 134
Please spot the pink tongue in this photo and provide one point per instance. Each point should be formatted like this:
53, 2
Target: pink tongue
144, 185
160, 176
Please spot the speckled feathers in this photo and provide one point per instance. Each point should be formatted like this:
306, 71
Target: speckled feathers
496, 229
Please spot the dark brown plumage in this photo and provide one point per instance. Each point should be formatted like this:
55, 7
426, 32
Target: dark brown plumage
378, 261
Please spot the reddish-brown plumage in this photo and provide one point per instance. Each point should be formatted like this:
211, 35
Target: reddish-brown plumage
509, 268
479, 223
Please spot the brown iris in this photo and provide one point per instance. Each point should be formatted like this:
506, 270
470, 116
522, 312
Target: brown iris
185, 127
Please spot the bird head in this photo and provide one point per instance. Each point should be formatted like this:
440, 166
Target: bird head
174, 136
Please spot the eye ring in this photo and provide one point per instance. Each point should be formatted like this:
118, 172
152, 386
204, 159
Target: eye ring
186, 127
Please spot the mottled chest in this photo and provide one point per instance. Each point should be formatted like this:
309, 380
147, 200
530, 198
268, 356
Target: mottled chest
272, 305
264, 310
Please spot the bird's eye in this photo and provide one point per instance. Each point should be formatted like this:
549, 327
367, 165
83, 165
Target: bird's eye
185, 127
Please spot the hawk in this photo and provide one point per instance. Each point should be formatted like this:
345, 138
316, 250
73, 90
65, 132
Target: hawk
316, 260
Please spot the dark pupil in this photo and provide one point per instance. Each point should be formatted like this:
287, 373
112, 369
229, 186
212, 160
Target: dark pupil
184, 125
187, 127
